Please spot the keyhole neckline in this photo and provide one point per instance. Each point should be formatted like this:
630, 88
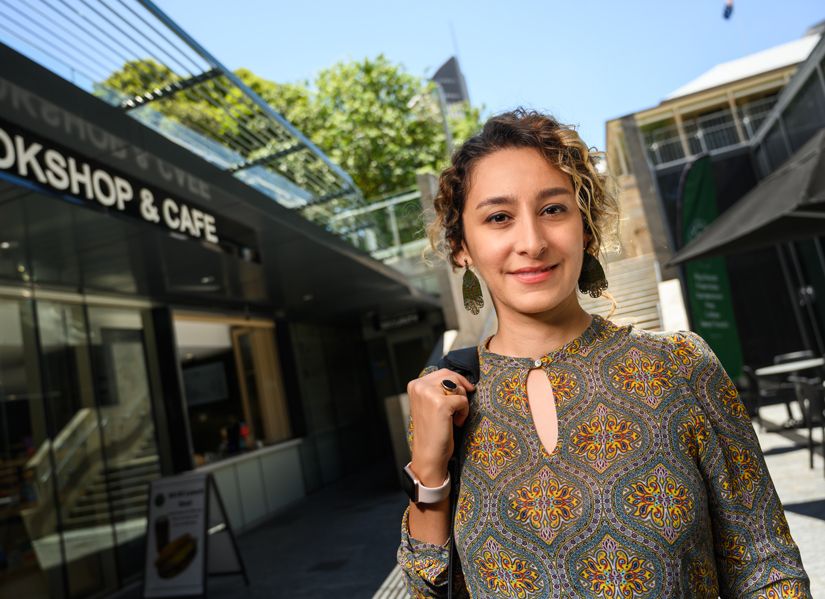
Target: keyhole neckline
589, 336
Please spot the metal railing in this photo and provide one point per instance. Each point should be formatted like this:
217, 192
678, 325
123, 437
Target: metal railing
708, 133
392, 231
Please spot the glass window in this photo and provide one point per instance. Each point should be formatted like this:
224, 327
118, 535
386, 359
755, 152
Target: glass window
233, 387
78, 463
127, 432
14, 267
30, 560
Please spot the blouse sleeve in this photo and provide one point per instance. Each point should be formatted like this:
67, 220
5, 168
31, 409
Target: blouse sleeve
424, 565
755, 554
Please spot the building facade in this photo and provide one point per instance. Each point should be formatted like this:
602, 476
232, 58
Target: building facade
160, 314
725, 114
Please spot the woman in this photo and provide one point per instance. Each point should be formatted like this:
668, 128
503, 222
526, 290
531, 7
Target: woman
598, 460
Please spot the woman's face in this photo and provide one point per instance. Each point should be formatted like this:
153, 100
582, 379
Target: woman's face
523, 231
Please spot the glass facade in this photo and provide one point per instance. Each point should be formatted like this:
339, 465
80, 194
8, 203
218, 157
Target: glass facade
78, 439
79, 446
234, 390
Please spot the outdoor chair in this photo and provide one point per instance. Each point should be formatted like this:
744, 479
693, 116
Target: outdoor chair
771, 391
812, 398
784, 389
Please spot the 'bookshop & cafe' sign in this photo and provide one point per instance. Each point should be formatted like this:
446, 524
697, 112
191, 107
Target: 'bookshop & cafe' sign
25, 155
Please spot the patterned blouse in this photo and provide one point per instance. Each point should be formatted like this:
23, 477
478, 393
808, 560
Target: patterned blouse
657, 486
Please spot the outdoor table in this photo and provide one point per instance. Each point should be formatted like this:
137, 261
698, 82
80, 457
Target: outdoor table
789, 367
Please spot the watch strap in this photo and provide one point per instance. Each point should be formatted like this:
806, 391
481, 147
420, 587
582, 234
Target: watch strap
428, 494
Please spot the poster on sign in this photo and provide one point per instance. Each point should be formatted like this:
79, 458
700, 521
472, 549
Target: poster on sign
181, 550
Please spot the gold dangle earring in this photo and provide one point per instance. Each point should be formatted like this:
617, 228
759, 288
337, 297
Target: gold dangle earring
471, 290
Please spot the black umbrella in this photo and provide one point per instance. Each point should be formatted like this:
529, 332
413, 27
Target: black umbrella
787, 205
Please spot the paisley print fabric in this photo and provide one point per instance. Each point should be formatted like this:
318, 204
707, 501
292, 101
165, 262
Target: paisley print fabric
657, 486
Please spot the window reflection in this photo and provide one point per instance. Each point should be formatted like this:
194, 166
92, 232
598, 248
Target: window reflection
233, 386
27, 510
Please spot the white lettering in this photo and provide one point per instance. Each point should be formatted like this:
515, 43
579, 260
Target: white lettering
27, 157
186, 221
209, 226
104, 188
8, 158
197, 218
84, 176
170, 212
56, 169
123, 191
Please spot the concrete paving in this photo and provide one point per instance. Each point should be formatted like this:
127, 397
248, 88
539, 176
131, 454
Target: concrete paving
801, 490
338, 542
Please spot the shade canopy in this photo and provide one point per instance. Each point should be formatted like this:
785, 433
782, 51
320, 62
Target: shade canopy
786, 206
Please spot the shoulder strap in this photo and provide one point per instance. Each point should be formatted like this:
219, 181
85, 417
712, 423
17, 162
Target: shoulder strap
464, 361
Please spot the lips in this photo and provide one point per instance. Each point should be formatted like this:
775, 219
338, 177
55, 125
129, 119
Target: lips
533, 274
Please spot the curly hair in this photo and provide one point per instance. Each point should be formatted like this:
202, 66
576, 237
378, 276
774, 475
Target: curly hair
559, 144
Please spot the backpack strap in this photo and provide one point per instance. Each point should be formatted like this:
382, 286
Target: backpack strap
464, 361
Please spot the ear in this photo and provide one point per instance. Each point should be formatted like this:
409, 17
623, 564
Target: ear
463, 254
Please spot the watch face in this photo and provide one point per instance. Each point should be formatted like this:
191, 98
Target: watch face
408, 484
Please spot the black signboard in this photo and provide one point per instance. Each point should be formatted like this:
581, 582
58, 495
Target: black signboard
28, 158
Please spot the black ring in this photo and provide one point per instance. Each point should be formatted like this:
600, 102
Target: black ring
448, 386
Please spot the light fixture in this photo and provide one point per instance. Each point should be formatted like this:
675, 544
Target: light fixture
207, 280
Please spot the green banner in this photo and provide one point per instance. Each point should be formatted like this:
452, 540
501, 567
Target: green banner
708, 287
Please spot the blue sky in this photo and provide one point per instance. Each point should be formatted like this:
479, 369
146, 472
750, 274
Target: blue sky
586, 62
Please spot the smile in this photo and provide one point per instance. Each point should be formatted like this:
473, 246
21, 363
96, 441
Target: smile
533, 275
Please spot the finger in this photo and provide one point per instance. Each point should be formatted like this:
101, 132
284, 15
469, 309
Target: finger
460, 408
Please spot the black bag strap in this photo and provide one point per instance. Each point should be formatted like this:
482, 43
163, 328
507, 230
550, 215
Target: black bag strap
465, 362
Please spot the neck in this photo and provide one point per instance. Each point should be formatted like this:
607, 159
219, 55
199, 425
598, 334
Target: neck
534, 335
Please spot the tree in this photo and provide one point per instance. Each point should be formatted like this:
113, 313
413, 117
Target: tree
379, 123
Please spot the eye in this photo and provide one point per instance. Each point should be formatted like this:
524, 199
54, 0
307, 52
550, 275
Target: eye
554, 209
498, 217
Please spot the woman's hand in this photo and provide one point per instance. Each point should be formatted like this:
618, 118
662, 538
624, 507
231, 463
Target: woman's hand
433, 414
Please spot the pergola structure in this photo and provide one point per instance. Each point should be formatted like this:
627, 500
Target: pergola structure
86, 41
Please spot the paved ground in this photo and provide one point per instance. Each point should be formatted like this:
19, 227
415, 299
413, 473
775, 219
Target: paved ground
801, 490
339, 542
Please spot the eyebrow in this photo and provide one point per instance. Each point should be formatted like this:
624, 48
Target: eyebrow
544, 194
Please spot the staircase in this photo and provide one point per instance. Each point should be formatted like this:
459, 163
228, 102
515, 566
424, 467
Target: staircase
634, 283
124, 482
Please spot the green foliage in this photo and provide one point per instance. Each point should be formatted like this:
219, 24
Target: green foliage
379, 123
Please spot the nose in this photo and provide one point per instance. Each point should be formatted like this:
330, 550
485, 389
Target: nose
530, 237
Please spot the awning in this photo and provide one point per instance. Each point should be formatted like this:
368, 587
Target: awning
787, 205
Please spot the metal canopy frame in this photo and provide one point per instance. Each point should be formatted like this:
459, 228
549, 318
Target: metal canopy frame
86, 41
